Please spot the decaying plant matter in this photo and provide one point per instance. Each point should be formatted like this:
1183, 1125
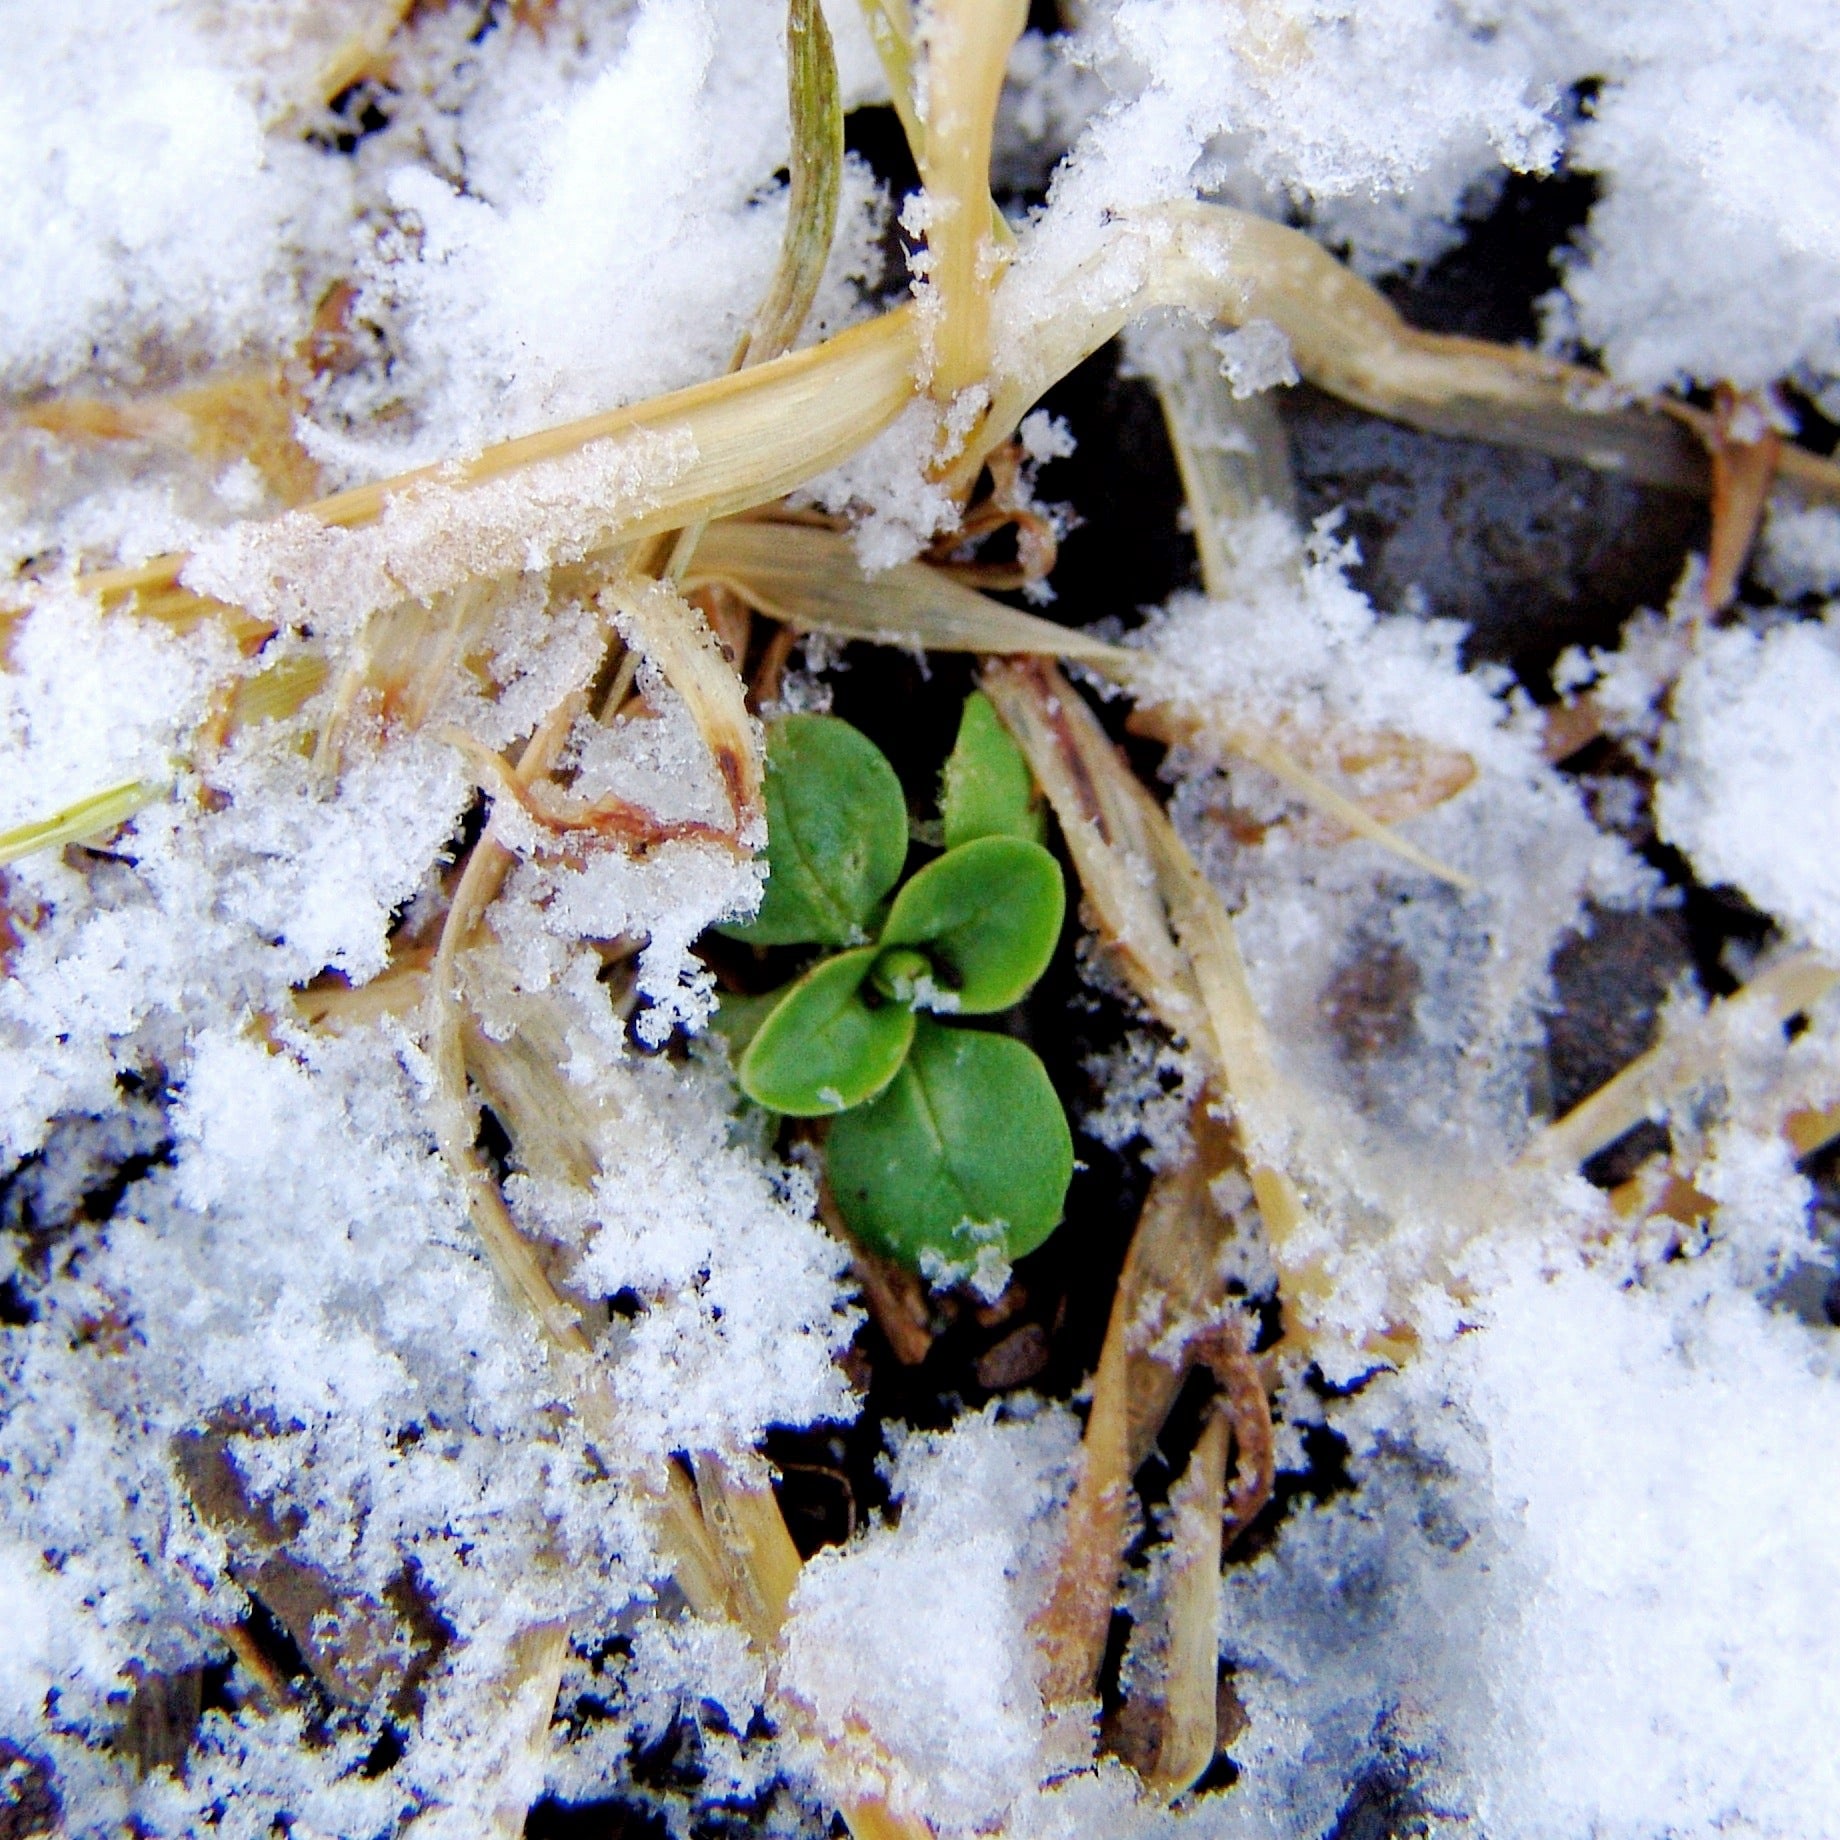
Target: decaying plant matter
679, 541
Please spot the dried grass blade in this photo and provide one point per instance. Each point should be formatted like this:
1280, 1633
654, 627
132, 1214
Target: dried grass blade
452, 1110
1743, 471
1686, 1054
691, 1549
512, 1256
362, 53
94, 816
1077, 768
1170, 1284
581, 825
238, 415
1243, 1404
406, 654
891, 31
1239, 1040
1186, 1693
758, 1556
734, 1560
816, 111
1235, 464
528, 1695
809, 577
756, 434
1810, 1130
1346, 338
1070, 1631
659, 622
1232, 453
727, 1540
336, 1005
1170, 935
550, 1120
278, 692
877, 1821
1205, 1519
1281, 764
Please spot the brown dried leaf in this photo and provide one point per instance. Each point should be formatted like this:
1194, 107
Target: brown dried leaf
808, 576
1167, 1291
1744, 466
659, 622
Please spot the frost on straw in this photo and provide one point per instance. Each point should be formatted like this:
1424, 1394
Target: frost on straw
429, 1476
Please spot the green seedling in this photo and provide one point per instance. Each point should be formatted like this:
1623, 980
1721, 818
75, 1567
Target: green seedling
946, 1139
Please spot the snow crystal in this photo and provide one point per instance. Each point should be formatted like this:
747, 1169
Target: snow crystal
437, 535
1800, 551
908, 1668
1255, 357
1750, 769
87, 703
1579, 1590
618, 254
136, 133
1404, 1014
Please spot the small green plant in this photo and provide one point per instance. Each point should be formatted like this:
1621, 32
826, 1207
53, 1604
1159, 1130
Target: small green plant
944, 1139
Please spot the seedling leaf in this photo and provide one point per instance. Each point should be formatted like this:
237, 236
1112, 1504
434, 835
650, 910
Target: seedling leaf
836, 834
989, 914
823, 1048
967, 1148
738, 1018
907, 976
988, 790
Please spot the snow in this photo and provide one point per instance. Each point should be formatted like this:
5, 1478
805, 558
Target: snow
1800, 551
1256, 357
507, 305
939, 1710
1747, 787
1386, 122
437, 535
1581, 1583
134, 130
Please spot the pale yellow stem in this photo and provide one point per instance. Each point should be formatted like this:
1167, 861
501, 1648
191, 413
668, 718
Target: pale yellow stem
1684, 1056
95, 816
967, 51
756, 435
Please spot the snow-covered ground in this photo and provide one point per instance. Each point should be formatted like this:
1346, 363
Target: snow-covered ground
1584, 1582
